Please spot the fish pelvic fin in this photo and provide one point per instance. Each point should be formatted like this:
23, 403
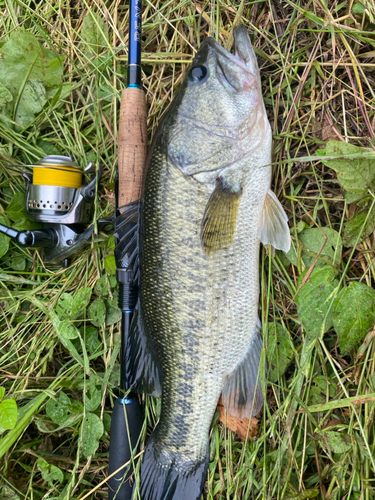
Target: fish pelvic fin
143, 370
166, 476
220, 217
242, 394
274, 227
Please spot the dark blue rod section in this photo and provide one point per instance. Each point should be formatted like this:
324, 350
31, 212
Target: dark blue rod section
135, 26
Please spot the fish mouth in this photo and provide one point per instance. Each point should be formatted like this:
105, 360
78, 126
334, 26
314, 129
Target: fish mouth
239, 70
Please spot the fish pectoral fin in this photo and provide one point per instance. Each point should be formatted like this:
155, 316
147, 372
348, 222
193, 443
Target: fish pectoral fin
142, 367
274, 227
220, 217
242, 394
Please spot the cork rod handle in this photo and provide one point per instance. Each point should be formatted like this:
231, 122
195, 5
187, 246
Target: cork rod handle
132, 146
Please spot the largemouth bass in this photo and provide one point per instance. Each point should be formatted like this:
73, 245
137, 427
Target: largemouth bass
207, 205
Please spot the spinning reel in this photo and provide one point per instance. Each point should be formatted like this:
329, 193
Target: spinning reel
57, 197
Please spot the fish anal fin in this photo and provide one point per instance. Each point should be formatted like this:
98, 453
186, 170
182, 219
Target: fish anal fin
242, 395
220, 217
274, 227
142, 367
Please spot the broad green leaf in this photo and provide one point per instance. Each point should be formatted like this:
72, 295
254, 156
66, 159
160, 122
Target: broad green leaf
93, 396
90, 334
102, 286
67, 330
5, 96
91, 433
64, 305
50, 473
63, 411
340, 442
353, 314
110, 264
358, 8
48, 147
4, 240
27, 70
313, 240
354, 225
17, 262
97, 312
356, 175
113, 316
93, 33
8, 413
6, 493
319, 389
81, 301
313, 301
279, 351
25, 415
16, 209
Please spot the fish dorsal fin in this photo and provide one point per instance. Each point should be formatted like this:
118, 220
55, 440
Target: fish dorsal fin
220, 217
242, 394
274, 227
142, 367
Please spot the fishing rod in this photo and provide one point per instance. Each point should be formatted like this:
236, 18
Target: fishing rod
127, 419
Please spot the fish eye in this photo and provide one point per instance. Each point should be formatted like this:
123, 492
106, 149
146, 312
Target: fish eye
198, 73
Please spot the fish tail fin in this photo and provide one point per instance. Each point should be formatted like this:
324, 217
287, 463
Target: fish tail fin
165, 476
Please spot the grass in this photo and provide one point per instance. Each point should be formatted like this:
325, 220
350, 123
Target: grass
316, 431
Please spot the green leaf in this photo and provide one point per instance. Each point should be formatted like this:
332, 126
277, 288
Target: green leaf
6, 493
27, 70
80, 302
16, 209
25, 415
2, 392
110, 264
353, 314
313, 301
313, 240
102, 286
50, 473
354, 225
92, 340
93, 33
4, 240
97, 312
67, 330
279, 351
93, 398
91, 433
358, 9
8, 413
64, 305
356, 175
5, 95
338, 441
48, 147
64, 412
18, 263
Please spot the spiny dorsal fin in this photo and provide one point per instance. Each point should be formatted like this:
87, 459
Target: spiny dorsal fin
274, 227
220, 217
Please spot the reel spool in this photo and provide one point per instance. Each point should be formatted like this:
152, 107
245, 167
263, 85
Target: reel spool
54, 191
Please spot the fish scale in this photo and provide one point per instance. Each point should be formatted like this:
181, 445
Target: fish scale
196, 327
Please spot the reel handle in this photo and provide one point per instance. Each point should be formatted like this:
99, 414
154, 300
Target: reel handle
132, 145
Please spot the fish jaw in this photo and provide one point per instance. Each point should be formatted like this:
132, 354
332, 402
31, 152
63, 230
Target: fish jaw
219, 119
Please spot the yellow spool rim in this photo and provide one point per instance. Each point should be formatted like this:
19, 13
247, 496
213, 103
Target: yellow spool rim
51, 175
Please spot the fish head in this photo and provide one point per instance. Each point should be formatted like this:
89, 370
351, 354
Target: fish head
218, 114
